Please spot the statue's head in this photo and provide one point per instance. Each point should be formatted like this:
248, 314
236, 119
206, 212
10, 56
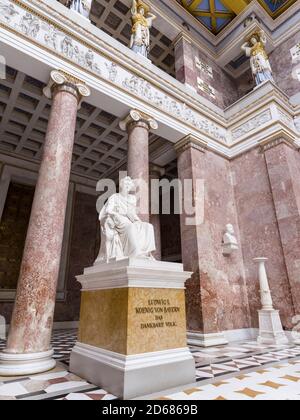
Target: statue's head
142, 8
127, 185
141, 11
230, 229
254, 40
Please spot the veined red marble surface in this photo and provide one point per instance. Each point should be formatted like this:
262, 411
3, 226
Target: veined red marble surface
284, 173
260, 235
138, 163
31, 324
216, 294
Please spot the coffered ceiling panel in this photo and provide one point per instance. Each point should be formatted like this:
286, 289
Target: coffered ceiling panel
100, 148
216, 14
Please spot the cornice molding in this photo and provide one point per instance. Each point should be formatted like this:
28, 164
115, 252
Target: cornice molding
280, 138
190, 142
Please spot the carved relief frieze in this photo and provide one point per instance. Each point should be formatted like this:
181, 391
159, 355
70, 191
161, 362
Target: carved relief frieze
252, 124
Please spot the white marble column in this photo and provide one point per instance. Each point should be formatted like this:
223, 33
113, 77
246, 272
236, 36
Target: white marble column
137, 124
28, 348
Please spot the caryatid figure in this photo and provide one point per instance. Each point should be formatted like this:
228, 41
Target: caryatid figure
83, 7
259, 60
142, 21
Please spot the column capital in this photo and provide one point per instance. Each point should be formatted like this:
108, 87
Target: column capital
182, 36
156, 171
192, 142
136, 117
275, 141
63, 81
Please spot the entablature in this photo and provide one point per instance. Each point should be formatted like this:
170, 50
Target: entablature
42, 32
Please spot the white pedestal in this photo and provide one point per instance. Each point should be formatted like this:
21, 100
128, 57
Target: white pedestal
206, 340
134, 375
2, 328
132, 335
270, 328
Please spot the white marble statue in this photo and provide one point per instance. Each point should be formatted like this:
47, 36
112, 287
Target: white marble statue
123, 234
83, 7
230, 242
142, 21
259, 60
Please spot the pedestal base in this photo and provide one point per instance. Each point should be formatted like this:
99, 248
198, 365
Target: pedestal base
270, 328
134, 375
2, 328
26, 363
206, 340
132, 334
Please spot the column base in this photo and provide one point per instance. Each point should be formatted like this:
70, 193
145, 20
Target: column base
135, 375
13, 364
270, 328
206, 340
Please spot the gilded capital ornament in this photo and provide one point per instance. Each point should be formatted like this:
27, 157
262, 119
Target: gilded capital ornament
136, 116
62, 81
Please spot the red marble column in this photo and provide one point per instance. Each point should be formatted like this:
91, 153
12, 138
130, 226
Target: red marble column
216, 294
28, 346
283, 164
156, 172
138, 125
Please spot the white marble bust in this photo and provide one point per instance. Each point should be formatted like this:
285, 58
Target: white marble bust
230, 242
123, 234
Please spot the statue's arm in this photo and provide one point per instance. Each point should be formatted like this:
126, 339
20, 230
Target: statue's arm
263, 37
134, 7
245, 47
150, 18
110, 207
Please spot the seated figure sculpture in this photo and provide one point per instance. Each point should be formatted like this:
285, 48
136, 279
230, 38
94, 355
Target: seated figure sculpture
123, 234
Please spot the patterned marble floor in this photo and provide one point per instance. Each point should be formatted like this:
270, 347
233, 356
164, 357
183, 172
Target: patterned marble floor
281, 382
214, 366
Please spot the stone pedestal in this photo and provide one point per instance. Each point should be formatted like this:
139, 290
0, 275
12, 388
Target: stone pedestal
2, 328
132, 335
270, 328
